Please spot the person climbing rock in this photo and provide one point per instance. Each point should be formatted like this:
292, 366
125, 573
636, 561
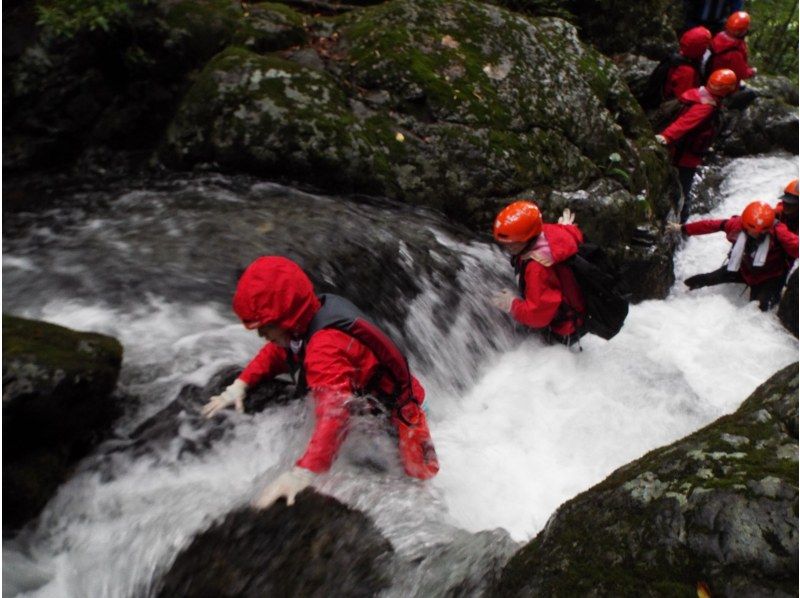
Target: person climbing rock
709, 13
549, 297
763, 250
729, 48
691, 134
334, 351
786, 210
684, 71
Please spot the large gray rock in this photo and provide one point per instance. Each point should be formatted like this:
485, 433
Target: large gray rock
455, 105
57, 403
318, 547
718, 507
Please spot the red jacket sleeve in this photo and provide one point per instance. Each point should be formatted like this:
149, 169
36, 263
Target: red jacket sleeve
542, 297
738, 64
333, 368
787, 239
704, 227
687, 121
268, 363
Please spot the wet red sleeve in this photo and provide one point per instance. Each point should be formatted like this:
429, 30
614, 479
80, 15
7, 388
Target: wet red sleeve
332, 371
787, 239
704, 227
542, 297
687, 121
737, 62
268, 363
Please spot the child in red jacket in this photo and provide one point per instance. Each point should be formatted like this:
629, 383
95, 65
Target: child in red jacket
549, 297
729, 49
684, 74
691, 134
786, 211
336, 353
763, 250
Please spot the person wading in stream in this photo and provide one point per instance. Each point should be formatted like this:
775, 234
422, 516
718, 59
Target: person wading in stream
549, 297
762, 253
334, 351
691, 134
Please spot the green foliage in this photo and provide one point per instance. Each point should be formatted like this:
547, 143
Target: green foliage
773, 38
66, 18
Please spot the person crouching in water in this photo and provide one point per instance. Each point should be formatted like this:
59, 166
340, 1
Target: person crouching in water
335, 352
763, 250
549, 298
691, 134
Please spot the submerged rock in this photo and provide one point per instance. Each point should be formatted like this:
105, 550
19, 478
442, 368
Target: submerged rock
182, 425
57, 404
318, 547
718, 507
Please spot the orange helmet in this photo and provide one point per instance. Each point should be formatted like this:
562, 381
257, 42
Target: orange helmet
791, 188
518, 222
722, 82
757, 218
737, 24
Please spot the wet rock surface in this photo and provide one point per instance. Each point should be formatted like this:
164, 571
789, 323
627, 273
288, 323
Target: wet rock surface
788, 308
318, 547
57, 403
718, 507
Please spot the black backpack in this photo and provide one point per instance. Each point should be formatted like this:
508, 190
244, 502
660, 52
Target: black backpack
604, 293
653, 93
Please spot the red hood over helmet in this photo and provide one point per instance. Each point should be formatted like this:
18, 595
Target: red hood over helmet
274, 290
695, 42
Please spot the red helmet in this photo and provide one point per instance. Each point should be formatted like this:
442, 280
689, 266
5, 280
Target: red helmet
757, 218
791, 188
518, 222
737, 24
722, 82
695, 42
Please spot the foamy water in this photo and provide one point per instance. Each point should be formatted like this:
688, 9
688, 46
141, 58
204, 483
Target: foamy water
519, 428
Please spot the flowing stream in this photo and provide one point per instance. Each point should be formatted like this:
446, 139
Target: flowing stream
519, 427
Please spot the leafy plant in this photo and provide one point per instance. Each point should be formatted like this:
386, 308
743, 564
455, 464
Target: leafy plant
65, 18
773, 39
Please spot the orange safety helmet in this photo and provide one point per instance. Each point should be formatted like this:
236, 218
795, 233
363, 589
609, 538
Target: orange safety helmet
757, 218
738, 24
722, 82
518, 222
791, 188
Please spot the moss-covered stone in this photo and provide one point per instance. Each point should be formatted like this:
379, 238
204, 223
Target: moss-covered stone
269, 26
718, 507
457, 105
56, 403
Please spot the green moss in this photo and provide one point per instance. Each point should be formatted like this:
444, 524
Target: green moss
270, 26
57, 348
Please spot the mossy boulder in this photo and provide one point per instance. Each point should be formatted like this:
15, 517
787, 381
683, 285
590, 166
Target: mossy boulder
718, 508
96, 91
454, 105
318, 547
768, 123
57, 403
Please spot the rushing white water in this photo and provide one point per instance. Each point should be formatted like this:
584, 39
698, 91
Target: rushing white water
528, 427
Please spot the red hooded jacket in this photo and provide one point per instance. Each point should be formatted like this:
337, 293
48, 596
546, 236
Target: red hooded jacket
683, 77
783, 245
545, 286
728, 52
274, 290
780, 214
691, 134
